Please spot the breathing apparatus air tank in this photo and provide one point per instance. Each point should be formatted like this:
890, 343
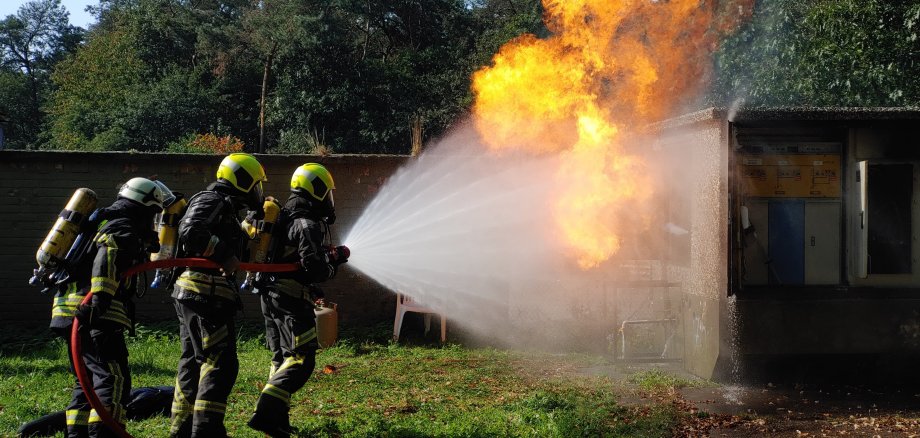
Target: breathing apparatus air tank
168, 232
327, 324
53, 250
258, 248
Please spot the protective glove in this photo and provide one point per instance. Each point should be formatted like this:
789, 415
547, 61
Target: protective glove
151, 241
88, 314
316, 294
229, 266
256, 209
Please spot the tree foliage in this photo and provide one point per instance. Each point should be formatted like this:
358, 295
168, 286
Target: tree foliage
824, 53
140, 82
280, 72
32, 41
101, 76
401, 59
355, 75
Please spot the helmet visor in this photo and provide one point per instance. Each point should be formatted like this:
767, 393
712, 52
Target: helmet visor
328, 206
168, 196
259, 192
255, 200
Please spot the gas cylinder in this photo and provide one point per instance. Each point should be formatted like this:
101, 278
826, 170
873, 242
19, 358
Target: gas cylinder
258, 248
168, 232
65, 230
327, 324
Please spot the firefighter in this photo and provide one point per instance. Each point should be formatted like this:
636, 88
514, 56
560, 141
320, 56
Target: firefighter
124, 237
66, 299
287, 298
206, 299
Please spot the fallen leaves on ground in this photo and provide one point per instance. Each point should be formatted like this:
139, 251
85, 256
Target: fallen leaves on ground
698, 424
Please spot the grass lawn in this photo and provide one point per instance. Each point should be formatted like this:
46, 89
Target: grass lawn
378, 388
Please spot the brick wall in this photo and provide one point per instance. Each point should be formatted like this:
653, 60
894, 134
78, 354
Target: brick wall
34, 186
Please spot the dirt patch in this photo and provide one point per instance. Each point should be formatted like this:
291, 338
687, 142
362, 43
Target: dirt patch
799, 411
712, 410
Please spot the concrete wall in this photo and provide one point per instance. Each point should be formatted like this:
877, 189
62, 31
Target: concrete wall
844, 325
698, 144
870, 336
34, 186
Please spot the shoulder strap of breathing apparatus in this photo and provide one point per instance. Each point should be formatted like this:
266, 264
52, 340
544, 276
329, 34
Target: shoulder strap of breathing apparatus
81, 250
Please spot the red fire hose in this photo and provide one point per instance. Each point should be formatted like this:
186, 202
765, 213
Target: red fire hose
77, 352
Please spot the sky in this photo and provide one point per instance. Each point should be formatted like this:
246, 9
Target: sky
78, 15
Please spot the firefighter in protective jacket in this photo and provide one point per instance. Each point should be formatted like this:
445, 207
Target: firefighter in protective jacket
123, 239
206, 299
66, 299
287, 298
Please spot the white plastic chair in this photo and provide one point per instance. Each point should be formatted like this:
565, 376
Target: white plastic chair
404, 303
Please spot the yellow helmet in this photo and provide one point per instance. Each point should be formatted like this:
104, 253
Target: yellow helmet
314, 179
242, 171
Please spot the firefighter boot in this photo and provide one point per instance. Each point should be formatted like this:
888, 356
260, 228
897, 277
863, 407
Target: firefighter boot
271, 417
77, 431
100, 430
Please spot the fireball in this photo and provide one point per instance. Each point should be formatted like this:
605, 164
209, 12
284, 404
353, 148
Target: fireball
608, 69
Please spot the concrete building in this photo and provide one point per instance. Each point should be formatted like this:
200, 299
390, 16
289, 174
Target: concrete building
802, 259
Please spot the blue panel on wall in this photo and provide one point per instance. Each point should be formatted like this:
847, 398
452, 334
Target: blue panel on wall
786, 234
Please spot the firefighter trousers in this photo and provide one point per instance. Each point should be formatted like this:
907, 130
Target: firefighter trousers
78, 410
106, 358
292, 324
272, 336
208, 367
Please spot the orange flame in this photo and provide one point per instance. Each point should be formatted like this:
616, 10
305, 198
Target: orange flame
609, 68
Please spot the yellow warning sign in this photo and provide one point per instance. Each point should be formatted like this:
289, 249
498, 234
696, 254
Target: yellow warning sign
791, 176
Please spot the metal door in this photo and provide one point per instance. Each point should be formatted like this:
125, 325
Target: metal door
822, 243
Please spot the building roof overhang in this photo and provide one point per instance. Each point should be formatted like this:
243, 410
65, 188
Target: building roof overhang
788, 114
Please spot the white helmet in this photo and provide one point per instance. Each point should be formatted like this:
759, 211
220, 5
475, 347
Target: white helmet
147, 192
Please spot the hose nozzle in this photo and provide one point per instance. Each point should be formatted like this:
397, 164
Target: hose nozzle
337, 254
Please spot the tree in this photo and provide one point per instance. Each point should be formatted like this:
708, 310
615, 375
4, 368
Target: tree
31, 42
92, 86
15, 105
351, 74
34, 38
828, 52
369, 68
140, 82
267, 29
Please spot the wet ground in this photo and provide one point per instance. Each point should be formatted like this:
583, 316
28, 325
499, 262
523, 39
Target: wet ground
779, 410
796, 411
